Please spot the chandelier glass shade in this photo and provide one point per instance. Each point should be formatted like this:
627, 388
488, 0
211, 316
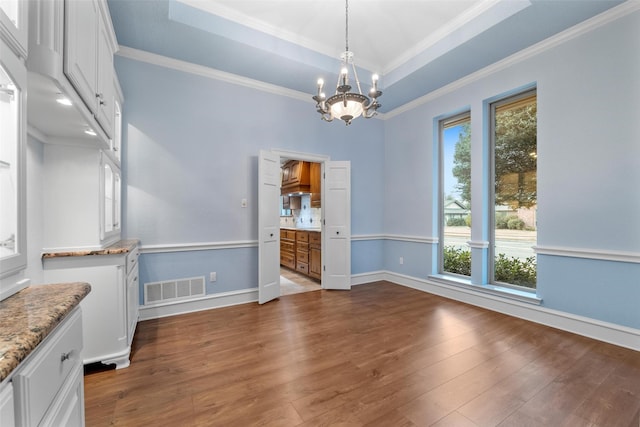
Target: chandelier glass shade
344, 104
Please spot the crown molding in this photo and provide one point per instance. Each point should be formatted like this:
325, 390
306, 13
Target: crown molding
597, 21
212, 73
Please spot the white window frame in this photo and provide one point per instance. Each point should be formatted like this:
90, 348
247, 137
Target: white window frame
492, 185
442, 125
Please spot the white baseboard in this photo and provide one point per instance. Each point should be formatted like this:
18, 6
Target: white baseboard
596, 329
220, 300
603, 331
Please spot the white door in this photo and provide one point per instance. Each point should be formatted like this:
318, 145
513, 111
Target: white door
336, 247
268, 227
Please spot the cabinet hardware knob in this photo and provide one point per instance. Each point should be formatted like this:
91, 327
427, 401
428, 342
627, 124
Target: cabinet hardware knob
65, 356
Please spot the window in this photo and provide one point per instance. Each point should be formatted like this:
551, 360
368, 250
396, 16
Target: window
455, 194
513, 191
12, 171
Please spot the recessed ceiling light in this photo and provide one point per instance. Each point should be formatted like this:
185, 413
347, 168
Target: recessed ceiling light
64, 101
90, 131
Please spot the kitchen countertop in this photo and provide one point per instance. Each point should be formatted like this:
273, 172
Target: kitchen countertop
121, 247
28, 316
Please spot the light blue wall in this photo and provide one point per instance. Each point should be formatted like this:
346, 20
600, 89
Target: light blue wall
190, 156
588, 169
191, 147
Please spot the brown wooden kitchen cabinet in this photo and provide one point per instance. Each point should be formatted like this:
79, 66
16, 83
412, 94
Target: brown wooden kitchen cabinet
315, 178
315, 255
302, 252
288, 248
295, 177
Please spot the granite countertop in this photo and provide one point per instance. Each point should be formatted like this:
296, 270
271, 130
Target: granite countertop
27, 317
121, 247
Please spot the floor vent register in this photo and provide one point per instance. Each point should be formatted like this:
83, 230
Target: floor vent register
173, 290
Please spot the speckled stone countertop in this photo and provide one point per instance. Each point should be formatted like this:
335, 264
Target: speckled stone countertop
28, 316
121, 247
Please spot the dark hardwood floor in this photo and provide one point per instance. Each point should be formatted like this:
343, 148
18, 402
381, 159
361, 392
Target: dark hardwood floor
379, 355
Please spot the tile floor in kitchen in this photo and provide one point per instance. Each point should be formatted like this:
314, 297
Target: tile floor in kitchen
292, 282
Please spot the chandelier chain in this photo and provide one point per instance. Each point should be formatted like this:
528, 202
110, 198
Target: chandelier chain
346, 26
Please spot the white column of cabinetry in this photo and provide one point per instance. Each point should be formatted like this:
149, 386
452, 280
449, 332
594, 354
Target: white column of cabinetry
111, 309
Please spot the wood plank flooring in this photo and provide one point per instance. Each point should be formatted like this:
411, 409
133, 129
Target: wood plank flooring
379, 355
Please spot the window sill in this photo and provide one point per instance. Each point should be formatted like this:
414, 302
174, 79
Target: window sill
501, 291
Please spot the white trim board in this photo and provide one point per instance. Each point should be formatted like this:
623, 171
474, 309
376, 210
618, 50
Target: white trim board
602, 331
197, 246
223, 299
592, 254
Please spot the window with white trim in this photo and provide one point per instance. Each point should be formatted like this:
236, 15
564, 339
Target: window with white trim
513, 192
455, 194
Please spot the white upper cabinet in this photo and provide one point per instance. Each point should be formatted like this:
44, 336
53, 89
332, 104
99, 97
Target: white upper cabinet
71, 48
88, 62
14, 25
81, 40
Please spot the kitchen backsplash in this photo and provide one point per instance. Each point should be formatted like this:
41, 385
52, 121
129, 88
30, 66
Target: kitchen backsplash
304, 217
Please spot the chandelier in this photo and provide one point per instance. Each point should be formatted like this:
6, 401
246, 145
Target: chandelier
344, 104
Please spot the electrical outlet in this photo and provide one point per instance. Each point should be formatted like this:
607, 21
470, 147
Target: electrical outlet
243, 203
213, 276
401, 260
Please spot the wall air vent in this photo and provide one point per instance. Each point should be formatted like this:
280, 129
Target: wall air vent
173, 290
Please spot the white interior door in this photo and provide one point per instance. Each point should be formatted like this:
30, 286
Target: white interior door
336, 247
268, 226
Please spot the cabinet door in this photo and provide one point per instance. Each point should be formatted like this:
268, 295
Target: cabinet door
315, 264
7, 414
81, 21
68, 408
105, 92
13, 24
132, 302
315, 174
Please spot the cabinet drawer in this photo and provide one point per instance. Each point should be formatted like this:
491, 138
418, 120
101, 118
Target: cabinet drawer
302, 267
39, 381
287, 247
302, 247
302, 236
288, 234
132, 259
314, 238
303, 257
288, 260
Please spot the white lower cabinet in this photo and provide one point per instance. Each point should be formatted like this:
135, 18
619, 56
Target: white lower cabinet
7, 415
110, 311
48, 387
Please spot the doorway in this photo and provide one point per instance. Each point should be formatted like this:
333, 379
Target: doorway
335, 236
300, 225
